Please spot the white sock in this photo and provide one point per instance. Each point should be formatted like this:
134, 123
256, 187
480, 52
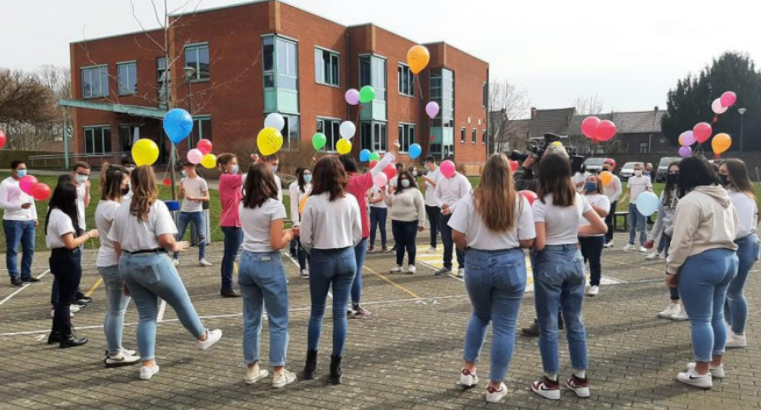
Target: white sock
581, 374
551, 376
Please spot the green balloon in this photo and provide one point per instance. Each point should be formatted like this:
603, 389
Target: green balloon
319, 140
366, 94
374, 156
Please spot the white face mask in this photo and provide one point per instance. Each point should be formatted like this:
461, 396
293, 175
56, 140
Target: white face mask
81, 179
406, 183
638, 172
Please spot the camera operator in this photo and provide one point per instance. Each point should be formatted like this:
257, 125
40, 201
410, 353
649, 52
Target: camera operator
524, 176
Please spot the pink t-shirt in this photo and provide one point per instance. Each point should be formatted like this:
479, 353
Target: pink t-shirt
358, 186
230, 195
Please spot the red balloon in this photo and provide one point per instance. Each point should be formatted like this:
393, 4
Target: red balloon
26, 183
373, 163
41, 192
513, 165
3, 138
588, 127
702, 132
529, 195
167, 181
390, 171
605, 130
204, 146
728, 99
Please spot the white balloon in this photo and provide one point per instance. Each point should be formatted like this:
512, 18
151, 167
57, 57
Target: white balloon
348, 129
275, 121
717, 108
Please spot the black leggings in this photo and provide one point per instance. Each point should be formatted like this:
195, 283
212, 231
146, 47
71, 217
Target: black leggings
66, 267
404, 235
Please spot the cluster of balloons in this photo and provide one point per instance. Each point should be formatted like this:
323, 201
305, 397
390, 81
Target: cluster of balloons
178, 124
30, 186
365, 95
201, 154
270, 140
721, 104
700, 134
598, 131
343, 146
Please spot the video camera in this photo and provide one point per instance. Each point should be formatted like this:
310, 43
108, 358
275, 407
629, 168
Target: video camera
537, 150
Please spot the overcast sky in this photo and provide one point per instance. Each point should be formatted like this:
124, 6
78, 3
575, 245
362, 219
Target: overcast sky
628, 53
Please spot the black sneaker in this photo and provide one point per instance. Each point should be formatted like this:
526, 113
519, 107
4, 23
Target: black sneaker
443, 272
30, 279
16, 282
531, 331
84, 300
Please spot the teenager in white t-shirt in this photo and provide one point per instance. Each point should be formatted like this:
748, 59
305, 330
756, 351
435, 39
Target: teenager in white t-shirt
432, 204
261, 275
378, 214
492, 225
194, 192
19, 224
636, 185
592, 245
558, 269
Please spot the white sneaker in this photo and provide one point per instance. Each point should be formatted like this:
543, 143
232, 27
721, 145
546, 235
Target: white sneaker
120, 359
468, 379
397, 269
254, 374
212, 337
204, 262
653, 256
593, 291
282, 379
642, 249
680, 314
74, 309
494, 396
629, 247
608, 244
304, 274
716, 372
176, 262
431, 250
546, 389
460, 273
127, 352
669, 311
147, 372
734, 340
411, 269
692, 378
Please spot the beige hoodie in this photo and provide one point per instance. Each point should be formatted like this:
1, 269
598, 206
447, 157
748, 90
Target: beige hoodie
704, 219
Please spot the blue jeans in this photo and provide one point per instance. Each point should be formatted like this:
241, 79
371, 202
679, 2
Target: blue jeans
446, 239
261, 277
496, 281
666, 241
117, 306
328, 267
150, 276
736, 307
703, 282
302, 254
559, 284
15, 232
198, 220
360, 251
404, 236
637, 222
378, 220
591, 250
233, 239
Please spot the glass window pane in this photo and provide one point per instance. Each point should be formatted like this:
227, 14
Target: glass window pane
269, 80
336, 134
103, 81
206, 129
191, 57
335, 69
284, 81
204, 64
268, 49
383, 139
364, 71
98, 141
281, 57
294, 132
106, 140
88, 142
319, 68
292, 59
86, 84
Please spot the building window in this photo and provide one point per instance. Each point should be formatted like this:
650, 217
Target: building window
97, 141
372, 72
197, 56
406, 137
329, 127
268, 64
327, 67
291, 134
462, 135
127, 75
280, 63
473, 136
127, 135
485, 95
406, 81
95, 82
442, 91
483, 137
374, 136
643, 148
201, 130
163, 80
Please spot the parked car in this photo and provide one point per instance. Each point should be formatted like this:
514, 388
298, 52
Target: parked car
663, 167
627, 171
594, 165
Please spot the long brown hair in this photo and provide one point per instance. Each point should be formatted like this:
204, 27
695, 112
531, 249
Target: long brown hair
111, 177
224, 159
329, 176
399, 187
495, 196
738, 177
260, 186
144, 192
555, 179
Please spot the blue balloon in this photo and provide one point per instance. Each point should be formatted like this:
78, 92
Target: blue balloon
364, 155
415, 151
647, 203
178, 124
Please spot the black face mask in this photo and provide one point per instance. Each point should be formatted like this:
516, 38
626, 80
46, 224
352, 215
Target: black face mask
125, 191
724, 179
672, 178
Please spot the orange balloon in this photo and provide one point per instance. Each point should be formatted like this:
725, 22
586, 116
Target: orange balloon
606, 177
721, 143
418, 58
680, 141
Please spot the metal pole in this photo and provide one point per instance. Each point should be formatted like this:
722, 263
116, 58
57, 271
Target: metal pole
742, 120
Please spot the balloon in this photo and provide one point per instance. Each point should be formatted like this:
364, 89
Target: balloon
343, 146
167, 182
41, 192
529, 195
26, 183
374, 156
417, 58
447, 168
347, 130
204, 146
432, 109
366, 94
3, 138
702, 132
721, 143
269, 141
717, 107
687, 138
390, 171
415, 150
373, 163
274, 120
352, 97
177, 124
364, 155
319, 140
195, 156
209, 161
647, 203
588, 126
380, 180
606, 177
728, 99
513, 165
145, 152
605, 130
685, 151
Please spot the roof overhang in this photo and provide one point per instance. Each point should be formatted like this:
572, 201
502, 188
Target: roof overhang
133, 110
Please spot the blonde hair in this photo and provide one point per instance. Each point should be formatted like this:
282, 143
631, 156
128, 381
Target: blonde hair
495, 196
144, 192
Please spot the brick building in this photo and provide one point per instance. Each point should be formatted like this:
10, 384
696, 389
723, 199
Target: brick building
232, 66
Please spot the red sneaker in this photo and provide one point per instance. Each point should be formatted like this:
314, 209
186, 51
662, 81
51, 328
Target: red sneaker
547, 388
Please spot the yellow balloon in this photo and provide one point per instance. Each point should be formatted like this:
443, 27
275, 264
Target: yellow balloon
145, 152
209, 161
418, 58
269, 141
343, 146
606, 177
680, 141
721, 143
302, 203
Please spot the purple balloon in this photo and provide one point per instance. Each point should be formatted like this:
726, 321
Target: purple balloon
432, 109
352, 97
685, 152
688, 138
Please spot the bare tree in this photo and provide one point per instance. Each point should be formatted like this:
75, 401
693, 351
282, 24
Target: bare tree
27, 109
507, 103
58, 80
589, 105
586, 106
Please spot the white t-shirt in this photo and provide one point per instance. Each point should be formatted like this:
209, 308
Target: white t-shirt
467, 220
256, 224
430, 190
194, 187
81, 193
600, 201
59, 224
375, 193
11, 200
747, 213
330, 225
104, 217
561, 224
137, 235
638, 185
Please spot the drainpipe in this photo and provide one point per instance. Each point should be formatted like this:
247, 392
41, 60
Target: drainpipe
348, 70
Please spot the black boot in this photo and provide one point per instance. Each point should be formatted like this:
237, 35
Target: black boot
55, 337
335, 369
69, 339
311, 365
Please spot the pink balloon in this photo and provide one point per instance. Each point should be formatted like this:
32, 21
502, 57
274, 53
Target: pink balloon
352, 97
589, 125
432, 109
195, 156
380, 180
605, 130
685, 152
728, 99
204, 146
447, 168
717, 107
702, 132
27, 183
688, 138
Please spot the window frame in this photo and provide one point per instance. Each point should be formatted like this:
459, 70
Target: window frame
483, 136
331, 54
335, 138
94, 68
376, 143
131, 126
163, 81
287, 142
474, 136
198, 120
463, 134
119, 82
405, 140
374, 59
643, 148
104, 141
401, 77
197, 46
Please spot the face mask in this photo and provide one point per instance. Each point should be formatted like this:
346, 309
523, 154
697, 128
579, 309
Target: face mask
724, 179
274, 169
590, 186
606, 169
414, 173
81, 179
672, 178
406, 183
308, 178
21, 173
184, 173
125, 190
638, 173
234, 169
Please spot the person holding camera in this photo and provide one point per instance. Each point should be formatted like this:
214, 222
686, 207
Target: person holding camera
524, 177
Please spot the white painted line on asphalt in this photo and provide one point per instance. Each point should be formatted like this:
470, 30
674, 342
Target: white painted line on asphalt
26, 285
162, 309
